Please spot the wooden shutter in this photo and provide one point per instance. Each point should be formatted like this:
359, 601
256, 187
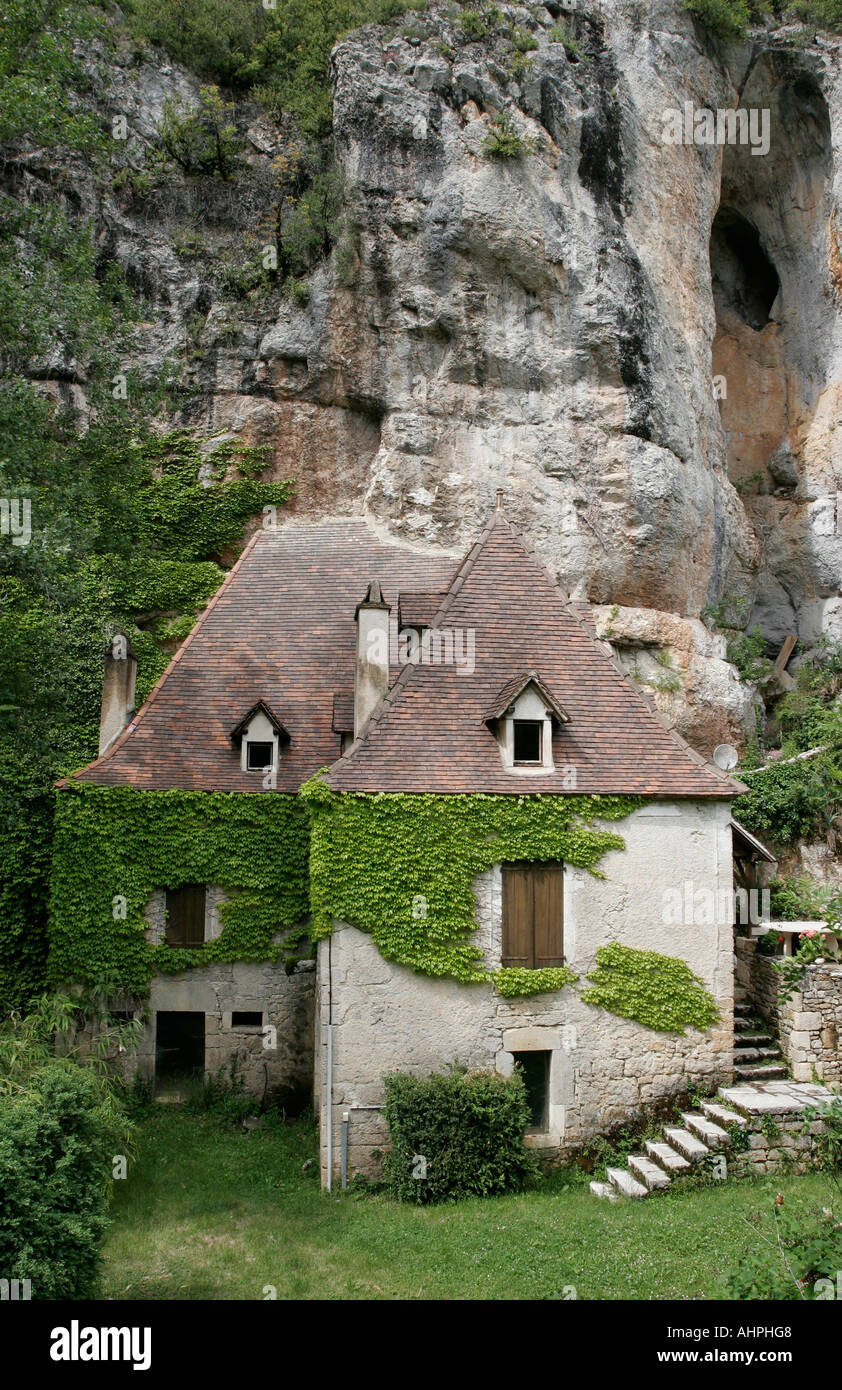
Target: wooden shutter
548, 915
186, 915
533, 915
517, 916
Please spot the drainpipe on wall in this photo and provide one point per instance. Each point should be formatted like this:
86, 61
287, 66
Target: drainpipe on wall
329, 1070
346, 1119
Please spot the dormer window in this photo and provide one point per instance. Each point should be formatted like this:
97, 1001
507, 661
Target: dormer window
522, 719
260, 737
527, 741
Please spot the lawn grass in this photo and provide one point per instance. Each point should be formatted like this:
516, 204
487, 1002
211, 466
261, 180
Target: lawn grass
210, 1212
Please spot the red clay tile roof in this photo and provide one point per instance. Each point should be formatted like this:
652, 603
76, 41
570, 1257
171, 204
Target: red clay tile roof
428, 735
281, 629
343, 712
418, 610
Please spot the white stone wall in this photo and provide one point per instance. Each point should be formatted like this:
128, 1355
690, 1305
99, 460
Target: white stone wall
386, 1017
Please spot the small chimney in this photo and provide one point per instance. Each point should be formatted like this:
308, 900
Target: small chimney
118, 687
371, 676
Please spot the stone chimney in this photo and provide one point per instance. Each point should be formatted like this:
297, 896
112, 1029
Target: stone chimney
118, 686
371, 675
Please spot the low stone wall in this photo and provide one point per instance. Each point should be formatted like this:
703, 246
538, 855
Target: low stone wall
809, 1023
780, 1137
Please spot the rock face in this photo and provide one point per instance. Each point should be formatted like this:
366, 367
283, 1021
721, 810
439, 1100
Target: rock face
681, 665
637, 339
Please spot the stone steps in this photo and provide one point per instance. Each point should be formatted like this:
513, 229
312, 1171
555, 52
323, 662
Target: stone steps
681, 1151
625, 1183
755, 1054
677, 1154
706, 1130
667, 1157
721, 1116
651, 1174
760, 1072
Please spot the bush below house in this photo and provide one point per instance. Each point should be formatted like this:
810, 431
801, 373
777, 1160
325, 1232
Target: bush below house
61, 1129
55, 1168
456, 1134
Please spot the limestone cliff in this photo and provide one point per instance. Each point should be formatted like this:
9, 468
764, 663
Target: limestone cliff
639, 341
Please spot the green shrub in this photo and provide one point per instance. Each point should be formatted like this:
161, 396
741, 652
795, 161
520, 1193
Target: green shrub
472, 24
726, 19
809, 714
461, 1132
745, 650
794, 1248
502, 140
212, 37
56, 1149
822, 14
60, 1130
769, 944
523, 41
827, 1145
790, 801
200, 139
560, 33
218, 1095
797, 899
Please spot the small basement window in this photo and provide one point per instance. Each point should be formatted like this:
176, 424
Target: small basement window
527, 740
259, 756
535, 1069
245, 1019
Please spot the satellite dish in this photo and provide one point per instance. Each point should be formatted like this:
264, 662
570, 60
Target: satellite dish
725, 756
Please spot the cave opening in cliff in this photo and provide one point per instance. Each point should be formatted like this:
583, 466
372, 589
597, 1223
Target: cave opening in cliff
744, 278
769, 279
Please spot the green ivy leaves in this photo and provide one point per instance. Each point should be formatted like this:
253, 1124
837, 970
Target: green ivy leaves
117, 840
659, 991
512, 981
401, 867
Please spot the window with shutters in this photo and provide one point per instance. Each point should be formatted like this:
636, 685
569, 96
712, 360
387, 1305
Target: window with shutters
533, 915
186, 915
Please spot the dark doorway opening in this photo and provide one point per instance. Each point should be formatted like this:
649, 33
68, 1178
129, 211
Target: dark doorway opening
179, 1047
535, 1068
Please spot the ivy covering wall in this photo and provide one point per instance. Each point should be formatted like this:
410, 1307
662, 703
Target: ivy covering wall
401, 867
120, 843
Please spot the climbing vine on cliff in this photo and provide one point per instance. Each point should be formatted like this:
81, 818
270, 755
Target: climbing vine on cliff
114, 846
402, 868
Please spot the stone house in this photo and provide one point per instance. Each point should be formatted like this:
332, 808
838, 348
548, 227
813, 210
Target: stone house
419, 686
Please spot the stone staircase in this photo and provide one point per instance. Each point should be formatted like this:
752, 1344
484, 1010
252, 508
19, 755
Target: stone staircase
682, 1149
756, 1055
709, 1131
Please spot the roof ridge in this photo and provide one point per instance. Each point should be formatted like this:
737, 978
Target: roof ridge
462, 572
587, 629
142, 713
